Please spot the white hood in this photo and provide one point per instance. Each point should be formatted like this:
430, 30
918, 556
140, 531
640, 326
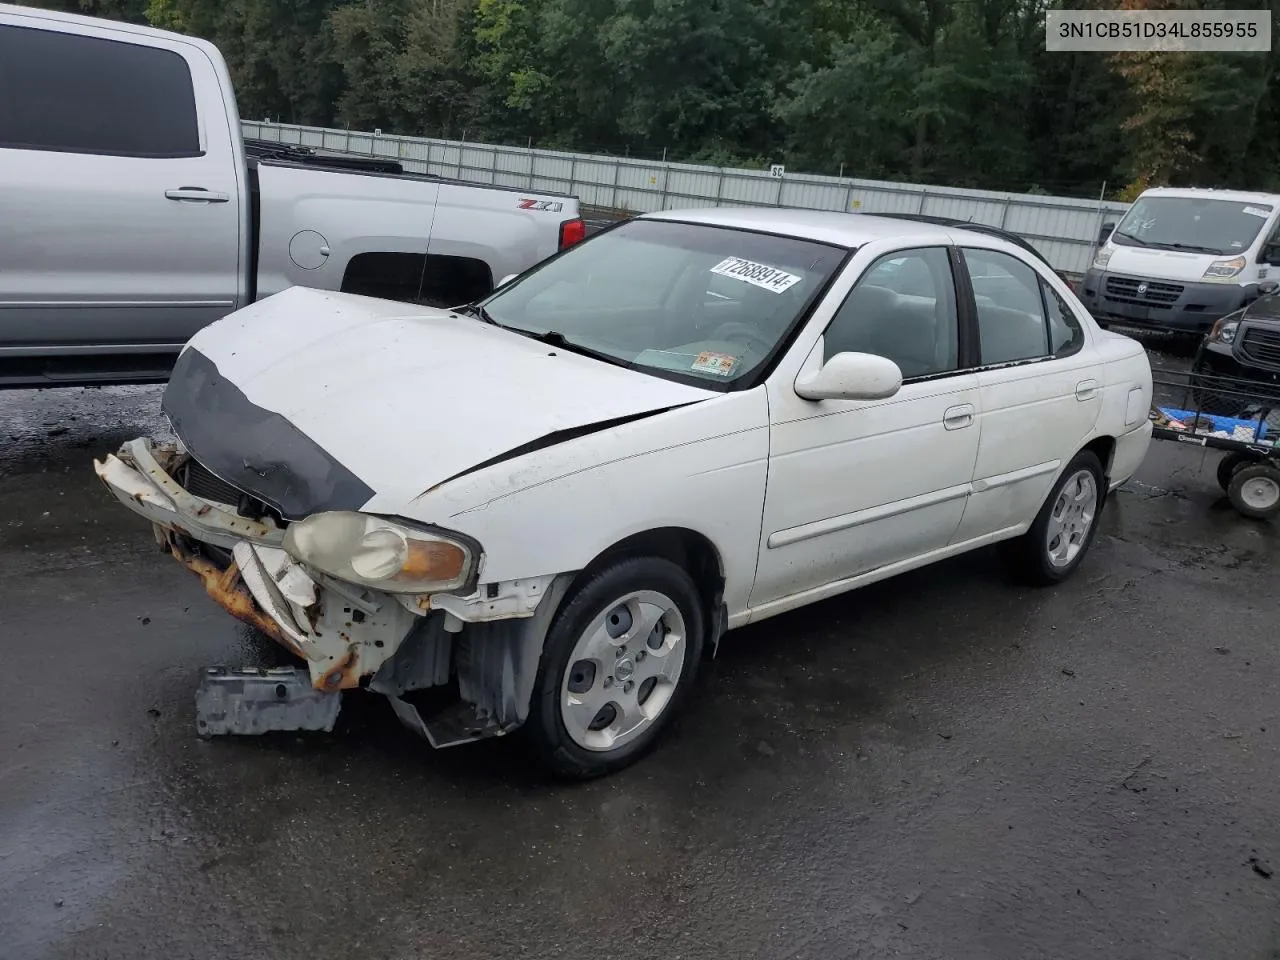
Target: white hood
406, 397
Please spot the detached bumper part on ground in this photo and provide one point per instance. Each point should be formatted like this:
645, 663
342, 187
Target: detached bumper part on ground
347, 636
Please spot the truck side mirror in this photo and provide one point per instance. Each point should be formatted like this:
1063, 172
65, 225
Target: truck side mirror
1271, 254
1104, 234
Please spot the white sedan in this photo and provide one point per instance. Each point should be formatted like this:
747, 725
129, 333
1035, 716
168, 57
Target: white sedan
552, 503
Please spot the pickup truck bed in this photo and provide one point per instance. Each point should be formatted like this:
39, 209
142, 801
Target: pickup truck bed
135, 214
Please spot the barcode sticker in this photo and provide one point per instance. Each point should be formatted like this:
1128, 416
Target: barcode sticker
759, 274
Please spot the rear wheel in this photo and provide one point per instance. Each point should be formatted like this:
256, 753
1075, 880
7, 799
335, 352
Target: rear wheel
1064, 529
616, 667
1255, 490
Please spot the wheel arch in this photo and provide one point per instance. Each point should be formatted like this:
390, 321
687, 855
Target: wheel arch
692, 551
1104, 448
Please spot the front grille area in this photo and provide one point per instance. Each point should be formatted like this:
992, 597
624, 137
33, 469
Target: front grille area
1153, 293
199, 481
1260, 345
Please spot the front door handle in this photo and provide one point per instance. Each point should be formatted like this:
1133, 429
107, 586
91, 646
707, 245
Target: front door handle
958, 417
1086, 390
197, 195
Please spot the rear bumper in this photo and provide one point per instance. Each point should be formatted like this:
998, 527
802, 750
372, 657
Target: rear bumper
1131, 450
1163, 305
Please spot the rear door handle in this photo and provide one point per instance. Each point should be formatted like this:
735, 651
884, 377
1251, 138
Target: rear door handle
1086, 390
958, 417
197, 194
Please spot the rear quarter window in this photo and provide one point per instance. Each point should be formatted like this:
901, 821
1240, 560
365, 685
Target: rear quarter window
68, 93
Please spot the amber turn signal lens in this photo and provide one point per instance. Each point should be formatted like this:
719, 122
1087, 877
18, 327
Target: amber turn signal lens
433, 560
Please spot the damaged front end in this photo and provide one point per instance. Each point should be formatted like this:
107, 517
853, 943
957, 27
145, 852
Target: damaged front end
482, 642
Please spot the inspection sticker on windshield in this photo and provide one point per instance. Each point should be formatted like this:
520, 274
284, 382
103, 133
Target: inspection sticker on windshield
765, 277
721, 364
1256, 212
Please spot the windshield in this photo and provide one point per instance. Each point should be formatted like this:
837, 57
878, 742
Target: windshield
697, 303
1195, 224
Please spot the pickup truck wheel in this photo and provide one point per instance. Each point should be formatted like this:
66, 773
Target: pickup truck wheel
616, 667
1064, 528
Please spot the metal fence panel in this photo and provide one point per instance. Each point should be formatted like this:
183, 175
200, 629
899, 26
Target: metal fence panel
1064, 229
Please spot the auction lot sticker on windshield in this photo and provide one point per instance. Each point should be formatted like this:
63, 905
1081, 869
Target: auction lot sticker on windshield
1256, 211
762, 275
721, 364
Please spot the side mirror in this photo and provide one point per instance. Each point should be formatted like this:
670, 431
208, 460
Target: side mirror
1271, 255
507, 279
1104, 234
852, 376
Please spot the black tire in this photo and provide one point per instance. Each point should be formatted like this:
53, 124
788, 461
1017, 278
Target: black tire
545, 728
1027, 557
1227, 467
1247, 482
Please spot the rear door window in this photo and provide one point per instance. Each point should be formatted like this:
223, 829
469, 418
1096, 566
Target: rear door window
74, 94
1011, 315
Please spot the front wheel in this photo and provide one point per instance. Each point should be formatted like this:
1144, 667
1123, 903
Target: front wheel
617, 665
1064, 528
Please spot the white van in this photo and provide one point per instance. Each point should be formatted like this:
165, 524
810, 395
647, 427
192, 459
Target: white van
1182, 258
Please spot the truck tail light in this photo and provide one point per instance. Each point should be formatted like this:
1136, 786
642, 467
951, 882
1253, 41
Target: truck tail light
571, 232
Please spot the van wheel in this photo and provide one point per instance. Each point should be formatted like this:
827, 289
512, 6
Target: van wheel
1063, 530
617, 666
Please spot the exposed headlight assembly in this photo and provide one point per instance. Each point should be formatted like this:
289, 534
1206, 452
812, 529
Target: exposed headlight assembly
380, 554
1102, 258
1225, 269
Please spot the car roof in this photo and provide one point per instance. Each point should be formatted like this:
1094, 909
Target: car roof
1208, 193
849, 230
971, 227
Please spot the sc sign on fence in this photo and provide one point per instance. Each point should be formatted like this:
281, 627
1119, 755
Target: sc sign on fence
1226, 31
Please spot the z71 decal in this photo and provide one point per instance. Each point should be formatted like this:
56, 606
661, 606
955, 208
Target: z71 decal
555, 206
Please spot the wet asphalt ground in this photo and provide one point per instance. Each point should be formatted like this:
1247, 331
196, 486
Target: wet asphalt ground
941, 766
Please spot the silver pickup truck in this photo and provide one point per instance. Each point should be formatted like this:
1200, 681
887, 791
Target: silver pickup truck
132, 214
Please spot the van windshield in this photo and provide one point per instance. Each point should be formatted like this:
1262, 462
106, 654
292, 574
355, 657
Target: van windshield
1194, 224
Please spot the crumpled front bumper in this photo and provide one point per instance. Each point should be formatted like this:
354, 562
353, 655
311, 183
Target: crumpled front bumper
342, 632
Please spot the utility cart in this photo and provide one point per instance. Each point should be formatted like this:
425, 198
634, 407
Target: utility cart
1192, 408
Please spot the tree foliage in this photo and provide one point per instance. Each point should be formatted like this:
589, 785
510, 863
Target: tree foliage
958, 92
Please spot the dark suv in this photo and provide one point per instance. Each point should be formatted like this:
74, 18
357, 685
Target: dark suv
1245, 346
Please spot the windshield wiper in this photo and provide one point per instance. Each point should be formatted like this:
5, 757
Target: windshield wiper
1137, 240
1193, 248
477, 311
554, 338
1157, 245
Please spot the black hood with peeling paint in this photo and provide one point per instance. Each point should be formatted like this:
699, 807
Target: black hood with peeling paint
257, 451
